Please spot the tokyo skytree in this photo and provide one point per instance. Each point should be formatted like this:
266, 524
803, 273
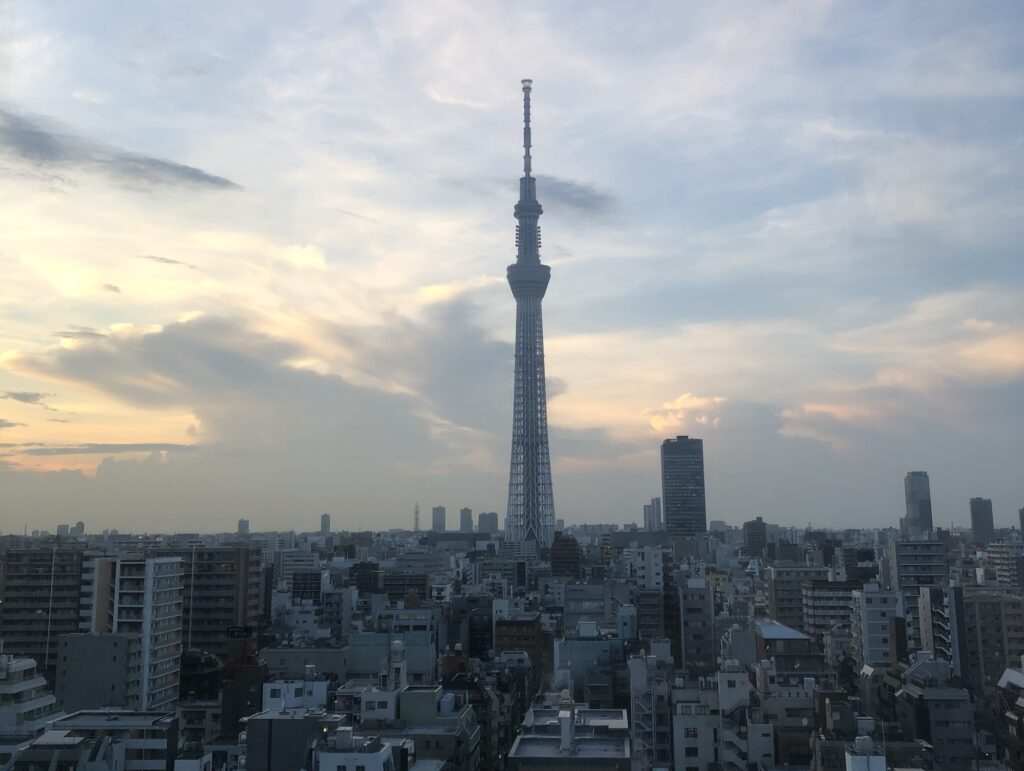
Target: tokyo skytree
531, 507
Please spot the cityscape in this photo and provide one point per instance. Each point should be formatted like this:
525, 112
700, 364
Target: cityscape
736, 585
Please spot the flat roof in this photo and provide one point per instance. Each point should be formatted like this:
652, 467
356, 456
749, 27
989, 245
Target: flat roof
773, 630
582, 747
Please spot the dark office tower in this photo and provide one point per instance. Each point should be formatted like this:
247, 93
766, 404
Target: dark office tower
438, 515
983, 527
755, 537
325, 524
566, 556
1021, 514
243, 527
919, 505
487, 522
466, 520
531, 508
682, 485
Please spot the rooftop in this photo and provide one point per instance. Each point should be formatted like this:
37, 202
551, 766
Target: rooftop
582, 747
773, 630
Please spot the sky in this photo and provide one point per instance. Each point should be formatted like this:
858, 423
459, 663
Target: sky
252, 257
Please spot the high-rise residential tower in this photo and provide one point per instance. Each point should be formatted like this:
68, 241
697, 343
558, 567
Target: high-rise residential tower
466, 520
983, 527
325, 524
682, 485
531, 508
652, 515
438, 517
919, 505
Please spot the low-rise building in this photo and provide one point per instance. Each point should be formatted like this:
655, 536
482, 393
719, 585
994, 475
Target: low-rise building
570, 737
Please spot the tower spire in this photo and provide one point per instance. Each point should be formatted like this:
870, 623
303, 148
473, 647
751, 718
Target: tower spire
527, 87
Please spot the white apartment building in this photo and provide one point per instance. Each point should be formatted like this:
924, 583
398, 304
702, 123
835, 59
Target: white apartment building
870, 612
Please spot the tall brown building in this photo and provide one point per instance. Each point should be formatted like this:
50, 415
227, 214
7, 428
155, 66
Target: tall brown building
222, 594
42, 599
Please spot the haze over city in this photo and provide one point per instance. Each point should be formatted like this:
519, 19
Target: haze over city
253, 259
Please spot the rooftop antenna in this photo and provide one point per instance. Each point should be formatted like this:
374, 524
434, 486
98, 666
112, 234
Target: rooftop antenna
527, 87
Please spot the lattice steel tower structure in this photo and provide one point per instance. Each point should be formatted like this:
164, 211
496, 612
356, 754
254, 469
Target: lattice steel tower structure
531, 507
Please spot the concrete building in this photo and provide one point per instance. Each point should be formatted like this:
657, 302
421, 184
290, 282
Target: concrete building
697, 626
717, 723
343, 750
42, 596
438, 516
525, 632
222, 592
465, 520
289, 562
138, 596
913, 565
826, 605
243, 527
650, 710
871, 611
682, 486
983, 527
994, 630
119, 740
929, 709
325, 524
645, 566
26, 704
785, 591
650, 613
1009, 726
99, 670
585, 663
1006, 558
588, 601
280, 739
442, 725
571, 737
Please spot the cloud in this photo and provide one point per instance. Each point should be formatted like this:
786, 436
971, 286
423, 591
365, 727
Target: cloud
107, 449
111, 288
556, 194
319, 439
25, 397
79, 333
9, 424
167, 261
33, 142
580, 197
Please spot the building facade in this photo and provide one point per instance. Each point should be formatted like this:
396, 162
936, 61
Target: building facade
682, 486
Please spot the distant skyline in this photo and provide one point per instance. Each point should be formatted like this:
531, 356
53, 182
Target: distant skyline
253, 258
